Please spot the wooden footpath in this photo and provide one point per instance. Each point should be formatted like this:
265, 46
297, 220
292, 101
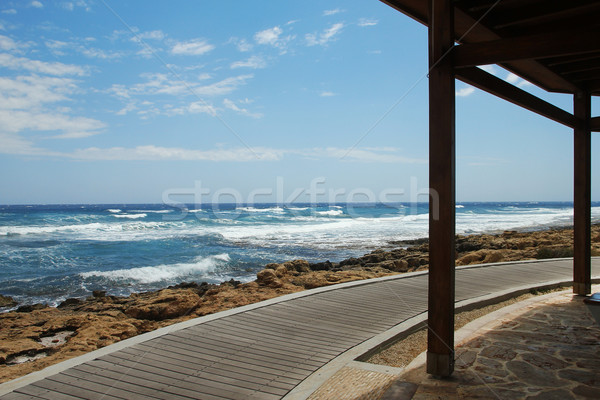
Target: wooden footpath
265, 352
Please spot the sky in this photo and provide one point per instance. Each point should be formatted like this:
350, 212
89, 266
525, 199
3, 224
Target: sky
105, 101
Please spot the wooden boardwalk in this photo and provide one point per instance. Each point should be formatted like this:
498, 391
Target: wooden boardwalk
265, 352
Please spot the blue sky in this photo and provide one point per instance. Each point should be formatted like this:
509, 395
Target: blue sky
129, 101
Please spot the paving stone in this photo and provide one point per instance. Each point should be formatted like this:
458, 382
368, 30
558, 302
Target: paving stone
587, 391
499, 352
589, 364
465, 358
543, 361
533, 375
573, 355
555, 394
580, 375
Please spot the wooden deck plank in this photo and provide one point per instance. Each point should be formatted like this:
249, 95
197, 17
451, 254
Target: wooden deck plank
145, 387
294, 375
193, 375
265, 379
43, 393
88, 389
135, 391
269, 348
175, 383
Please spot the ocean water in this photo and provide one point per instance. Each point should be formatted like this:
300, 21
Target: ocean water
52, 252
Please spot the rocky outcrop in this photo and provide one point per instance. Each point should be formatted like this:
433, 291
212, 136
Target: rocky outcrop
6, 301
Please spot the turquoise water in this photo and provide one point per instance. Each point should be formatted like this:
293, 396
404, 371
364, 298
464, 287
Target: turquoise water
50, 253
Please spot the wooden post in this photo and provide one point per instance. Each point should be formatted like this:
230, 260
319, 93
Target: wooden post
440, 340
582, 196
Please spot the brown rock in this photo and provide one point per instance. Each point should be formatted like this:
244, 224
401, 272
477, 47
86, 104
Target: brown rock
7, 301
268, 277
297, 265
166, 304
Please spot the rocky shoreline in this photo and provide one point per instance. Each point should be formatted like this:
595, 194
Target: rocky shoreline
36, 336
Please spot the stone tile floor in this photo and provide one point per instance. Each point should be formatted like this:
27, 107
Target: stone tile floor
552, 351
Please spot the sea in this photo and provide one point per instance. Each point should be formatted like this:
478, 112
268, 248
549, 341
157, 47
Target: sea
49, 253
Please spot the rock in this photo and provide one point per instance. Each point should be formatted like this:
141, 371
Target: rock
350, 261
99, 293
166, 304
185, 285
322, 266
297, 265
70, 302
31, 307
7, 301
281, 271
394, 265
267, 277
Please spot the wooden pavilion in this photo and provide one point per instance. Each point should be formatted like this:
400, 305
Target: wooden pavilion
550, 43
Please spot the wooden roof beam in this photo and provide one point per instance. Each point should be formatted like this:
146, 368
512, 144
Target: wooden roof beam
482, 80
527, 47
595, 124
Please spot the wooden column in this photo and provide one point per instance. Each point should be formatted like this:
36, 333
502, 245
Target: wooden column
440, 340
582, 197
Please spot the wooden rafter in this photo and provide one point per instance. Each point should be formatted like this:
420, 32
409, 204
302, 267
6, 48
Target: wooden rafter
527, 47
595, 124
482, 80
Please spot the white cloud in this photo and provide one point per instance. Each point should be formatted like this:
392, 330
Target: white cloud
161, 87
243, 111
268, 36
50, 68
376, 155
367, 22
93, 52
273, 37
150, 35
7, 43
241, 44
193, 47
151, 152
37, 4
516, 80
254, 62
332, 12
9, 11
324, 37
512, 78
466, 91
327, 94
70, 5
24, 106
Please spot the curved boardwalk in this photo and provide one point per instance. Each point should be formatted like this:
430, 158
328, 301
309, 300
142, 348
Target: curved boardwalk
266, 351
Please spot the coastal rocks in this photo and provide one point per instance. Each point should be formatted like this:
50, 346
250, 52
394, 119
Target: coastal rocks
268, 277
7, 301
166, 304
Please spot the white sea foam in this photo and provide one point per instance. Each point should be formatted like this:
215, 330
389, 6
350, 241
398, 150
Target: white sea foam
159, 273
131, 216
459, 206
330, 213
114, 210
152, 211
276, 210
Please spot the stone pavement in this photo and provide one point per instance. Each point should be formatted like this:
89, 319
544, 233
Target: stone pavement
542, 348
551, 351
